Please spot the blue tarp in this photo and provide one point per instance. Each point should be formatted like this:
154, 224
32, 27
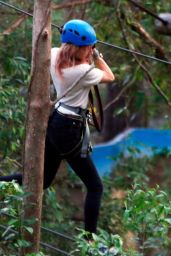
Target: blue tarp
146, 141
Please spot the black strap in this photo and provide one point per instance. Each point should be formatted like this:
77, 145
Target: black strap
97, 120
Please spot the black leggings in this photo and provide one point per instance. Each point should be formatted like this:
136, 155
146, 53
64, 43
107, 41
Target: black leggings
84, 169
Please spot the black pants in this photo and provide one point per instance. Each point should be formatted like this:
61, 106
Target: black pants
63, 134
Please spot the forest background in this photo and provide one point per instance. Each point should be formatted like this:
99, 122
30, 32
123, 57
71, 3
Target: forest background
140, 97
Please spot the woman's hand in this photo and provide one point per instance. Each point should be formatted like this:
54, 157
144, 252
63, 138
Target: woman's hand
96, 54
108, 75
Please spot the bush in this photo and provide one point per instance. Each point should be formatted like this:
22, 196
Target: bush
11, 222
148, 216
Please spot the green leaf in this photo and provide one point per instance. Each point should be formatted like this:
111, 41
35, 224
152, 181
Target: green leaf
29, 229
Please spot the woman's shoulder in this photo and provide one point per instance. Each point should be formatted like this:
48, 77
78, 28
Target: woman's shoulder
54, 50
81, 67
76, 70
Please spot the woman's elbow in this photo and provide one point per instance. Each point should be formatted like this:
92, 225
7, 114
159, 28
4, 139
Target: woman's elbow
112, 77
108, 78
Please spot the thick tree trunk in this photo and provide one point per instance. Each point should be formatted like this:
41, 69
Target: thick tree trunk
36, 123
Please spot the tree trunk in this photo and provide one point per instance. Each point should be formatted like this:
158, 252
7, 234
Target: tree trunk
36, 122
113, 125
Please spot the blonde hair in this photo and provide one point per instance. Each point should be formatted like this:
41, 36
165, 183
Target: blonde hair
68, 57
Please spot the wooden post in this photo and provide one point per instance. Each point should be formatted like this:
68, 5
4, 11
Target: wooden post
36, 122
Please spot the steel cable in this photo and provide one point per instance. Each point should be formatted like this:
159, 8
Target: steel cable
43, 244
99, 41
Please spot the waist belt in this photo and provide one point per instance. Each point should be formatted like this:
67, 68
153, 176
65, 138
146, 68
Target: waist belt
86, 145
77, 110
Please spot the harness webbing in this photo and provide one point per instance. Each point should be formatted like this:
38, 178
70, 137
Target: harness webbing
98, 121
86, 145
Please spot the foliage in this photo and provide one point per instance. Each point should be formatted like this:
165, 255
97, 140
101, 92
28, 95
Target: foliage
129, 170
56, 216
12, 224
127, 212
12, 107
132, 168
35, 254
51, 205
110, 219
102, 244
143, 211
147, 215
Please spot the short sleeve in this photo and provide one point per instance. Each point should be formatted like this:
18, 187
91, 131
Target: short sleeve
93, 77
54, 52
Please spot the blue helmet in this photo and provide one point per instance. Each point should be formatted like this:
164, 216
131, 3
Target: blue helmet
79, 33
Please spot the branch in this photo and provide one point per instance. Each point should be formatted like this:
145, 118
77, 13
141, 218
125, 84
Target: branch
153, 83
148, 11
14, 25
71, 4
162, 94
6, 13
117, 97
160, 52
141, 31
15, 162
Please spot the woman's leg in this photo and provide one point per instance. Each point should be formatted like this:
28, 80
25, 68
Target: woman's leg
17, 177
87, 172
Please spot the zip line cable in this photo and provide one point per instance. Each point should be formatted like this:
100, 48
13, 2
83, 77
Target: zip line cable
15, 8
98, 41
23, 11
135, 52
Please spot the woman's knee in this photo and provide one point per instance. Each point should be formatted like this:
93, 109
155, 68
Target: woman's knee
100, 187
46, 184
96, 187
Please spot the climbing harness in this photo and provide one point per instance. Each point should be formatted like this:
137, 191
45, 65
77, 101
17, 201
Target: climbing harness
84, 114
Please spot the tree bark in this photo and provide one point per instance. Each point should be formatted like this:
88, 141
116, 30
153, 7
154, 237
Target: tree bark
36, 122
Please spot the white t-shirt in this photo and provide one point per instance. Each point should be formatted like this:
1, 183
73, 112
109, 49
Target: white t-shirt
78, 96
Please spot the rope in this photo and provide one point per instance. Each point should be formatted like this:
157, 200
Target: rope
49, 246
57, 233
46, 229
105, 43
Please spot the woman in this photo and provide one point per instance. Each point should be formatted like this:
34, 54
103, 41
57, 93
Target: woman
66, 127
